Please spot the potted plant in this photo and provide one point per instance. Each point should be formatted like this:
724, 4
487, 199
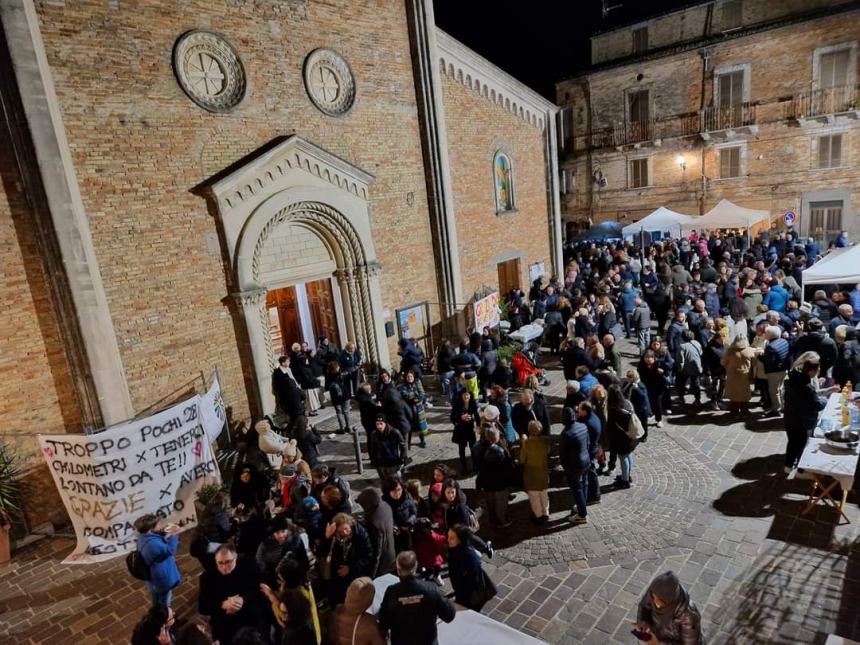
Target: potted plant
10, 498
205, 495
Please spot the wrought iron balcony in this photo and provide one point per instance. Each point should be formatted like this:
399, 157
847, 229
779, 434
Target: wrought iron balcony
725, 122
827, 105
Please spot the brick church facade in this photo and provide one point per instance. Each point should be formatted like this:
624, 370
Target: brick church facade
192, 186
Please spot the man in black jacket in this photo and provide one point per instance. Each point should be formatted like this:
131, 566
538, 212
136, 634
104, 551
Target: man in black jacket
494, 477
817, 340
379, 522
288, 396
387, 449
230, 595
529, 408
573, 357
574, 457
411, 607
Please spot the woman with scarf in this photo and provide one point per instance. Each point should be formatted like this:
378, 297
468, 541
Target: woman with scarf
412, 392
344, 554
404, 511
668, 615
464, 416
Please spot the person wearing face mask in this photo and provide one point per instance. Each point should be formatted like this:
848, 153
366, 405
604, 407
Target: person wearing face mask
668, 615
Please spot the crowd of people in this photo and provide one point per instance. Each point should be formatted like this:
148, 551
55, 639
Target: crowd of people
716, 317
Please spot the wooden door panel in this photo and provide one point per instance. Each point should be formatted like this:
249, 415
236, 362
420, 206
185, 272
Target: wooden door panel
323, 313
288, 316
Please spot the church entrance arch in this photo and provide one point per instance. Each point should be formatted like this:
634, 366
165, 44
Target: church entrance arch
298, 218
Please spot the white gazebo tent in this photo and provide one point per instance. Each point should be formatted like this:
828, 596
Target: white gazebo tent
660, 220
840, 265
728, 215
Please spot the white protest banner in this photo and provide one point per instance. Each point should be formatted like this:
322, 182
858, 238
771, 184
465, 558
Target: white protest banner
487, 312
212, 413
107, 480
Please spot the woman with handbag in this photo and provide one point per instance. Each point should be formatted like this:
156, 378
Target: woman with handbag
472, 586
618, 422
412, 392
344, 554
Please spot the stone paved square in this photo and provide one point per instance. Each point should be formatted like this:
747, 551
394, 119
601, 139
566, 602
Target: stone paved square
708, 501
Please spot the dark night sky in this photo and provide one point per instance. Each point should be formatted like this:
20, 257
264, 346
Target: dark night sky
539, 41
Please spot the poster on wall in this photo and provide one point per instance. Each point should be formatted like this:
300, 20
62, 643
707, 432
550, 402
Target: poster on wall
151, 465
412, 321
536, 270
487, 312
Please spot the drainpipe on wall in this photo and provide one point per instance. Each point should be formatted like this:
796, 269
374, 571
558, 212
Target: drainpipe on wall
706, 67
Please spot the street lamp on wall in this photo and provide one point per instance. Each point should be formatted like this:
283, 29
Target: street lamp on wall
681, 160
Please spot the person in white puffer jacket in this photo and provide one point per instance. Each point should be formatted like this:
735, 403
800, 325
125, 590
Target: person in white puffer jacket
271, 442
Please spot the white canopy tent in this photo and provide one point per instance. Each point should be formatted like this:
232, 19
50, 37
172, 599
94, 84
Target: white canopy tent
840, 265
660, 220
728, 215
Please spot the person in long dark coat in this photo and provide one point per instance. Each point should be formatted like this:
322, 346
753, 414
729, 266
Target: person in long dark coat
235, 580
464, 416
379, 522
464, 568
351, 554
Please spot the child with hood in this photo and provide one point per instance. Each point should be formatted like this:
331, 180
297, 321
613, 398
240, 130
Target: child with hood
667, 612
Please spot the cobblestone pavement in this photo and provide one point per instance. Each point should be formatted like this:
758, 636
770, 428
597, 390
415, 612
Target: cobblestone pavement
708, 501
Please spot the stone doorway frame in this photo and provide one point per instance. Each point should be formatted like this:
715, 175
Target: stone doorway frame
296, 183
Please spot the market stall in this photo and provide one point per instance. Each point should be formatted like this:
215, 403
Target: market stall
838, 266
728, 215
660, 221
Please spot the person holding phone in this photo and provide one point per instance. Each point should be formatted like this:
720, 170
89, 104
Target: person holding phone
157, 543
667, 614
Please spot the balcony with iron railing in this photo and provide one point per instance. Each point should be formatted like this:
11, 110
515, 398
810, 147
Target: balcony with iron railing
725, 122
651, 132
826, 105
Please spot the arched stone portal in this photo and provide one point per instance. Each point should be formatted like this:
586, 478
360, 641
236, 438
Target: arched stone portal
298, 185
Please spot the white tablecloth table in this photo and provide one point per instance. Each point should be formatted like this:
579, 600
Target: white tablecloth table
827, 466
527, 332
467, 627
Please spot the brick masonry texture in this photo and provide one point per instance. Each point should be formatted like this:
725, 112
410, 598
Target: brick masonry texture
140, 146
36, 391
778, 163
476, 130
142, 150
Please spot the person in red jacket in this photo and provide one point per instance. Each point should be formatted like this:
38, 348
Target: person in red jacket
429, 548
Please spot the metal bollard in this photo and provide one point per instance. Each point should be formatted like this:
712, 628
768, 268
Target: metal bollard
356, 444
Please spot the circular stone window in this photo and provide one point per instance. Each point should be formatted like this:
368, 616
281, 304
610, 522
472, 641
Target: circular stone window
209, 71
329, 82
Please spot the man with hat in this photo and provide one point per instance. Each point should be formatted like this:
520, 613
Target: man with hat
387, 449
283, 542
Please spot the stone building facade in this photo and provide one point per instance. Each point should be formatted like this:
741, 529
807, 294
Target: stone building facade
192, 186
755, 102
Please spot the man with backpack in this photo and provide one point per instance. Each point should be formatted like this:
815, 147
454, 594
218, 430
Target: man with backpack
155, 558
574, 456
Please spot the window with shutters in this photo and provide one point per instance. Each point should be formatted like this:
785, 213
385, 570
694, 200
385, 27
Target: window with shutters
730, 88
833, 69
638, 176
640, 40
830, 151
732, 13
730, 162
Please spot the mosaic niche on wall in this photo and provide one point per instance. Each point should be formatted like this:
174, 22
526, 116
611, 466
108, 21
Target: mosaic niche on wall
329, 82
504, 182
209, 70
